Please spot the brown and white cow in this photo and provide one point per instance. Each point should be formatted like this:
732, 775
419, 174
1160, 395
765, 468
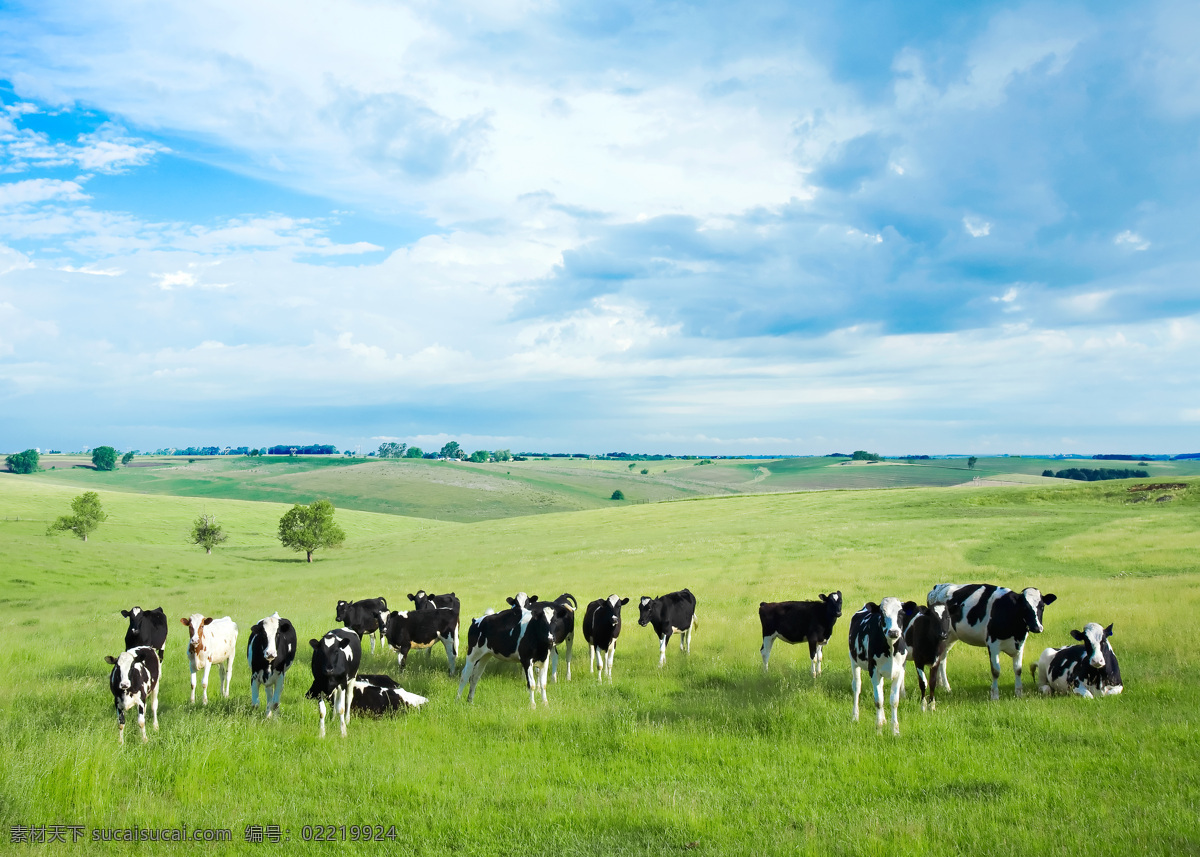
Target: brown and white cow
211, 641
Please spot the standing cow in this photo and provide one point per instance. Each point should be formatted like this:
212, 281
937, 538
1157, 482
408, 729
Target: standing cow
672, 613
877, 646
993, 617
270, 653
365, 618
523, 633
423, 600
563, 627
601, 627
335, 661
927, 634
793, 621
146, 628
1089, 670
405, 630
133, 681
211, 641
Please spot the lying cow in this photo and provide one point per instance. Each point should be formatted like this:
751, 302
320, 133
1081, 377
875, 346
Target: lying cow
794, 621
994, 617
423, 600
523, 633
563, 626
672, 613
270, 653
601, 627
211, 641
380, 694
1089, 670
927, 635
406, 630
146, 628
877, 646
364, 617
133, 681
335, 661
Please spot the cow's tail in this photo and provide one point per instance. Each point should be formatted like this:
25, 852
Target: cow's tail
573, 605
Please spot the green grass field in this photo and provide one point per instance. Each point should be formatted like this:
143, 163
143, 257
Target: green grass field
705, 756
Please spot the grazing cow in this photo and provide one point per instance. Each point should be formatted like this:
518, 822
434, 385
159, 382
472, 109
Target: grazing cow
927, 634
271, 651
563, 626
146, 628
877, 645
133, 681
380, 694
672, 613
364, 617
423, 600
793, 621
1089, 670
523, 633
335, 661
601, 627
211, 641
994, 617
422, 629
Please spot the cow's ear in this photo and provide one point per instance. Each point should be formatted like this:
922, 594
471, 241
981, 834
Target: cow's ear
1108, 631
532, 599
624, 600
1078, 635
185, 621
871, 607
285, 625
125, 613
1049, 598
314, 643
412, 598
910, 608
823, 596
208, 620
109, 659
511, 601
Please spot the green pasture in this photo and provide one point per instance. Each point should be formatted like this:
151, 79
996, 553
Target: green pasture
706, 756
468, 492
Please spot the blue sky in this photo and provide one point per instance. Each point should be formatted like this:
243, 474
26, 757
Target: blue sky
689, 228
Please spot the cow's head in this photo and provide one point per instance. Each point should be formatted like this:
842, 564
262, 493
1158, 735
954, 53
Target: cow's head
134, 615
1093, 636
833, 603
1033, 603
272, 627
417, 598
891, 611
195, 624
521, 600
646, 610
341, 611
329, 658
125, 677
615, 603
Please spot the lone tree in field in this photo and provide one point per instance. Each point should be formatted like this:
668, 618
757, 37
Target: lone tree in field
23, 462
971, 462
307, 528
104, 458
126, 458
452, 451
617, 495
207, 533
87, 516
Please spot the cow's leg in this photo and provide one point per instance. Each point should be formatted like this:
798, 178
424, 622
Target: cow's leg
994, 656
662, 649
942, 681
154, 705
592, 651
767, 643
545, 701
554, 661
274, 705
370, 634
192, 675
1081, 689
142, 718
227, 676
612, 650
531, 683
254, 692
120, 721
321, 709
451, 653
922, 685
814, 656
347, 699
400, 656
570, 647
339, 706
897, 687
1017, 657
855, 687
877, 688
204, 681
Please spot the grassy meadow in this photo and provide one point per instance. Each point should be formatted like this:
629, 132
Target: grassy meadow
708, 755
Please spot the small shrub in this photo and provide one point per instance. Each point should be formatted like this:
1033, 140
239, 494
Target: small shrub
617, 495
644, 471
1047, 472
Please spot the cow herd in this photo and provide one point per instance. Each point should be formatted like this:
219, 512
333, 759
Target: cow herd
883, 638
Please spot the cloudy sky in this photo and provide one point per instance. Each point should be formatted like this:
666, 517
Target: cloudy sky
587, 227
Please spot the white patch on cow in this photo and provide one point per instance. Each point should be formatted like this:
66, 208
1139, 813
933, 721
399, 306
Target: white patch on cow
614, 600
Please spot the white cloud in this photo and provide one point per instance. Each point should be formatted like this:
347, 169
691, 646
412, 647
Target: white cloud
32, 191
977, 227
1131, 240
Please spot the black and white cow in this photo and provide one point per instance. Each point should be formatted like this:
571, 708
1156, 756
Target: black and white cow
927, 634
563, 625
877, 646
210, 641
270, 653
523, 633
423, 600
406, 630
146, 628
335, 661
992, 617
134, 681
796, 621
380, 694
364, 617
1089, 670
672, 613
601, 627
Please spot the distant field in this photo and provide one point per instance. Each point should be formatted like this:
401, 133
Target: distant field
705, 756
475, 492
